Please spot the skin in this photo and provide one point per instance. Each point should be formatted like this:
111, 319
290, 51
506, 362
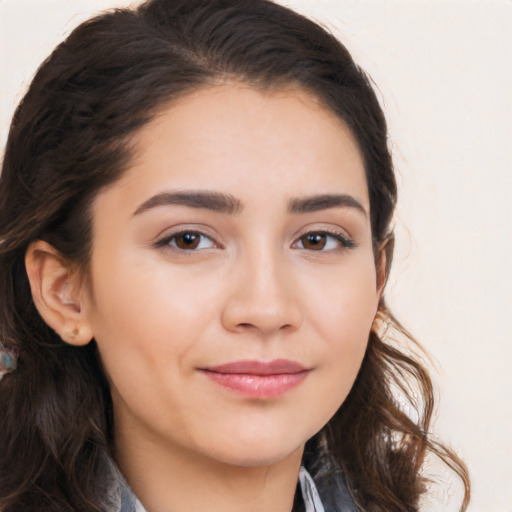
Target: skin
255, 287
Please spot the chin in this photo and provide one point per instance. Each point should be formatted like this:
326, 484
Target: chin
264, 451
256, 458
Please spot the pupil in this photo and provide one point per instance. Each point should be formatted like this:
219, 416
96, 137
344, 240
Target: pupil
189, 238
315, 241
187, 241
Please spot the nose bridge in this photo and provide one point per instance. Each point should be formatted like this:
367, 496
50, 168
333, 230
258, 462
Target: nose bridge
262, 297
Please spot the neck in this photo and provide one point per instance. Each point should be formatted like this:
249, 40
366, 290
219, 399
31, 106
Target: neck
169, 478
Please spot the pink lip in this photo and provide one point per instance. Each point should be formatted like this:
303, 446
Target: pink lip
258, 379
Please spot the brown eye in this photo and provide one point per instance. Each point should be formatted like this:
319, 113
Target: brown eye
187, 240
323, 241
314, 241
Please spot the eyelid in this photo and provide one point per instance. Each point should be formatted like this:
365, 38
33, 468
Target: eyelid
346, 241
163, 240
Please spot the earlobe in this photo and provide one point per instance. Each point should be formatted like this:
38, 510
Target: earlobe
57, 291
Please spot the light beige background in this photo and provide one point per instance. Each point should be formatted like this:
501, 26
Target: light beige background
445, 77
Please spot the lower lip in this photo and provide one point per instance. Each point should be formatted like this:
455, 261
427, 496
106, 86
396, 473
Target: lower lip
258, 386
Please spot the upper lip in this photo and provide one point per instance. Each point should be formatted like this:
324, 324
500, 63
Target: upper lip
250, 367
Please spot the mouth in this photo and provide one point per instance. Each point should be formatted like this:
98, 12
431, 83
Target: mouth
258, 379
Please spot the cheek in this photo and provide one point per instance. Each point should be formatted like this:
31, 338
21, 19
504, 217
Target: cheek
344, 302
342, 315
148, 329
147, 319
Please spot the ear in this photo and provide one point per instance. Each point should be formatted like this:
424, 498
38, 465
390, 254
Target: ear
384, 259
59, 293
382, 272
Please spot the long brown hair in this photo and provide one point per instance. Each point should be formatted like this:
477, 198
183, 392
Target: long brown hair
69, 139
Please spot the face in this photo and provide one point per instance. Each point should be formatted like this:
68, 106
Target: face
232, 275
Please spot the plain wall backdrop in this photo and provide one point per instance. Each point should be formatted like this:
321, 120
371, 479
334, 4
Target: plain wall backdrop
444, 72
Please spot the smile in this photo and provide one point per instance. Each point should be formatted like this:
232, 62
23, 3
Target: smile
258, 379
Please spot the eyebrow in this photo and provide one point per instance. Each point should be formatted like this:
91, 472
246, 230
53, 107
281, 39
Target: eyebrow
226, 203
324, 202
215, 201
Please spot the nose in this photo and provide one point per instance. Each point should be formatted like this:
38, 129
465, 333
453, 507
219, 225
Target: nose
263, 297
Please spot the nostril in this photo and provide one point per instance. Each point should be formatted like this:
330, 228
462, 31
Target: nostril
256, 308
249, 325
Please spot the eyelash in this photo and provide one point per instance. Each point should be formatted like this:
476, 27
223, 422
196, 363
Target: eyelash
166, 241
344, 242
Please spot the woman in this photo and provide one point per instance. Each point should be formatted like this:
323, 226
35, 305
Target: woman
195, 211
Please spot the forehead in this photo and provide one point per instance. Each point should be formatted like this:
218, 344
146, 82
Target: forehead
235, 138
